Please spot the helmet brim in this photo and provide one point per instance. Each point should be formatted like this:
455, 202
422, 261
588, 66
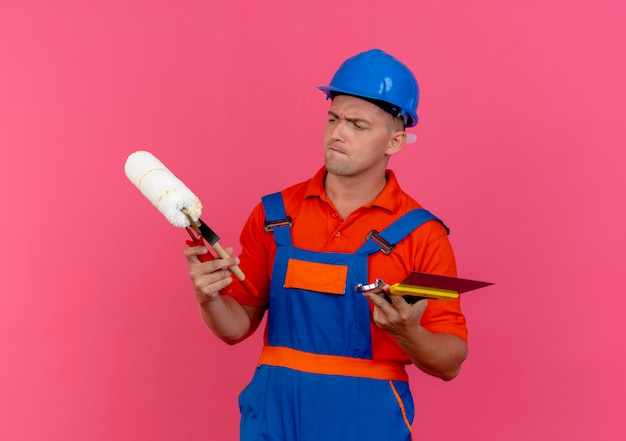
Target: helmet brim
330, 92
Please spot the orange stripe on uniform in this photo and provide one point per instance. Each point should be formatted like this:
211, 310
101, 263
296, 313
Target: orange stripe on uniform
331, 364
402, 409
315, 276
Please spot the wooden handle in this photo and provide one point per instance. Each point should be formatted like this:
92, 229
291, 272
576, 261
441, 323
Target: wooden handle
221, 252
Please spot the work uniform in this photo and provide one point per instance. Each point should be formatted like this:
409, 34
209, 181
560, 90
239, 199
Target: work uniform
326, 371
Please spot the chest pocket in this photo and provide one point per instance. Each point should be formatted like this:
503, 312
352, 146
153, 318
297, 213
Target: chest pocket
316, 276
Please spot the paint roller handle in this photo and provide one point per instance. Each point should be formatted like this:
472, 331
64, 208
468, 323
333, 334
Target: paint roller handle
221, 252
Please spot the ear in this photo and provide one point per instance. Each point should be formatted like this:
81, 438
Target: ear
396, 142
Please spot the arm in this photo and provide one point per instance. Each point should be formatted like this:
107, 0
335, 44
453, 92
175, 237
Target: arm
436, 353
229, 320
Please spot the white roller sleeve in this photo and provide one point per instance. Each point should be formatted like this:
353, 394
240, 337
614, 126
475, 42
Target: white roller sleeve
166, 192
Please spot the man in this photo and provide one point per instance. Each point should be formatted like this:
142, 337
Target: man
333, 361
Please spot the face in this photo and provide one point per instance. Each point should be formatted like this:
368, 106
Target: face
358, 138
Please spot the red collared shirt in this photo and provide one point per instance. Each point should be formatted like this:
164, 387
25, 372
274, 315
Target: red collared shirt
317, 226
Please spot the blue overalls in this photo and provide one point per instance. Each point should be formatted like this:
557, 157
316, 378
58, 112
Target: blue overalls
298, 393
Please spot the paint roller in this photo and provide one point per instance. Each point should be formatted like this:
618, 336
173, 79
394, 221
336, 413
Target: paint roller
175, 201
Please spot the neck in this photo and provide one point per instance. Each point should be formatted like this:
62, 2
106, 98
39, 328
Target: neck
347, 193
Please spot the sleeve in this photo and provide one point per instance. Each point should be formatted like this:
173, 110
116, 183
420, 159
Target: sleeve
436, 256
257, 251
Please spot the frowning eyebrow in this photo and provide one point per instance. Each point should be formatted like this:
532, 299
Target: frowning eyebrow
353, 120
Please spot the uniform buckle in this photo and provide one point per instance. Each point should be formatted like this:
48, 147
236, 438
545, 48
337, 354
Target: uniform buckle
385, 246
270, 226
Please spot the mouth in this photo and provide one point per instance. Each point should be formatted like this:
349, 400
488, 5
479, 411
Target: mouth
336, 149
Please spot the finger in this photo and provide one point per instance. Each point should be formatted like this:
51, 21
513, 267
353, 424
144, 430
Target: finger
192, 253
397, 300
209, 271
208, 287
420, 305
226, 262
214, 282
378, 299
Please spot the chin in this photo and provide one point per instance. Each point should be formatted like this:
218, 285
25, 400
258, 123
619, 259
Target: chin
338, 170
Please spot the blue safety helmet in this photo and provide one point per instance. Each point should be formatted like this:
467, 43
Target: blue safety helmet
380, 78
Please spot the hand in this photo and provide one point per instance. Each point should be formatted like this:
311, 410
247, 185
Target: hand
395, 315
436, 353
209, 277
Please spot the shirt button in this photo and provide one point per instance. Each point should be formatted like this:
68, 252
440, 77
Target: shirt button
337, 234
335, 215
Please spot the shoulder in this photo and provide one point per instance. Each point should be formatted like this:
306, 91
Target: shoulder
292, 198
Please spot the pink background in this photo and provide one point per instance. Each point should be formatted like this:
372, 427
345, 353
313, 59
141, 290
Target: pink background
520, 150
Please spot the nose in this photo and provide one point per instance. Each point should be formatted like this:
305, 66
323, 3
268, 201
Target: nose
337, 129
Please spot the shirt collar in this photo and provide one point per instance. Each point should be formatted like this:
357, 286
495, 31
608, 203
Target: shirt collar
389, 198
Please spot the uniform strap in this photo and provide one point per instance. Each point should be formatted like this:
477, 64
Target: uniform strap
387, 239
276, 219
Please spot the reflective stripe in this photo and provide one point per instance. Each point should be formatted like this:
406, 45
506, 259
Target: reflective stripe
332, 364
